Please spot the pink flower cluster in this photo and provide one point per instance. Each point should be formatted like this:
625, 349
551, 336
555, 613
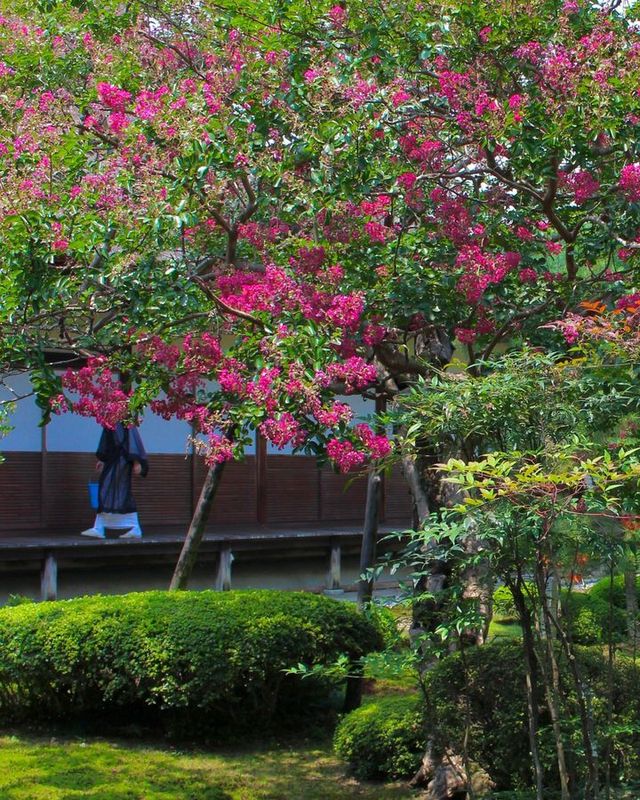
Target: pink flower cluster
346, 311
582, 183
481, 269
219, 449
202, 353
354, 372
344, 455
347, 455
630, 181
113, 97
101, 393
377, 445
283, 430
159, 352
331, 417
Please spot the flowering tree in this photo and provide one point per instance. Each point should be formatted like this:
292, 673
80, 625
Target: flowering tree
289, 205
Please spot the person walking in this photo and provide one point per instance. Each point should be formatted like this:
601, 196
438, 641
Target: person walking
120, 455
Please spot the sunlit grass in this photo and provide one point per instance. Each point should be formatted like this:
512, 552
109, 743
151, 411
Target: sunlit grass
36, 769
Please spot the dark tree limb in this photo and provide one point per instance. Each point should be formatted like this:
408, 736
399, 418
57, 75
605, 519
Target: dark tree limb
369, 538
189, 553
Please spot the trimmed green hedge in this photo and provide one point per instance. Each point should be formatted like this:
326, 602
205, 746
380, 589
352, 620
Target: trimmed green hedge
179, 657
384, 738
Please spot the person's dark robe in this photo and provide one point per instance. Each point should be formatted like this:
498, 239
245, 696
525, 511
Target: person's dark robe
119, 450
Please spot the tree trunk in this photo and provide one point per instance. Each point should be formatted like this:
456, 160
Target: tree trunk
189, 553
552, 683
369, 538
528, 645
631, 598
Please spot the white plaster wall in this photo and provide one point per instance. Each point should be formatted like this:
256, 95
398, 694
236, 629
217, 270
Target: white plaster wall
164, 436
26, 436
71, 433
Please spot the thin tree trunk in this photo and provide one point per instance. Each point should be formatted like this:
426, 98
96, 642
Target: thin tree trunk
592, 788
552, 684
189, 553
369, 538
528, 647
418, 492
631, 597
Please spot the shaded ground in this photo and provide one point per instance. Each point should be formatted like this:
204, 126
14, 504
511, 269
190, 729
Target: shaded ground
37, 769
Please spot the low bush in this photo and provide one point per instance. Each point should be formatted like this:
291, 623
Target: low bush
591, 619
480, 699
588, 616
384, 738
190, 660
602, 591
386, 621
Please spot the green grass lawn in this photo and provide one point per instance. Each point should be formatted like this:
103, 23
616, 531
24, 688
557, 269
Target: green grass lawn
498, 630
36, 769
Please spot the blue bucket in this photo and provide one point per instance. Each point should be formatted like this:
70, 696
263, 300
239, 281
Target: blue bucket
94, 494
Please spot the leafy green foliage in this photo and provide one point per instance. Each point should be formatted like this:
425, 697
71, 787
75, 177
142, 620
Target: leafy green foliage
588, 617
480, 692
603, 591
384, 738
591, 620
503, 606
175, 658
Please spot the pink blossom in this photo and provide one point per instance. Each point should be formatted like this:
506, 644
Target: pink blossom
465, 335
630, 181
345, 456
399, 98
354, 372
60, 245
373, 334
524, 234
346, 311
113, 97
337, 15
407, 179
118, 122
555, 248
582, 183
230, 381
528, 275
377, 232
337, 414
219, 450
58, 404
283, 431
378, 446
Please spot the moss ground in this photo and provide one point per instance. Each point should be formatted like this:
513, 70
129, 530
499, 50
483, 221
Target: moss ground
33, 768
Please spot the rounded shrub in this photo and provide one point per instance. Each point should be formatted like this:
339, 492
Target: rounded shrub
208, 658
602, 591
591, 619
384, 738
